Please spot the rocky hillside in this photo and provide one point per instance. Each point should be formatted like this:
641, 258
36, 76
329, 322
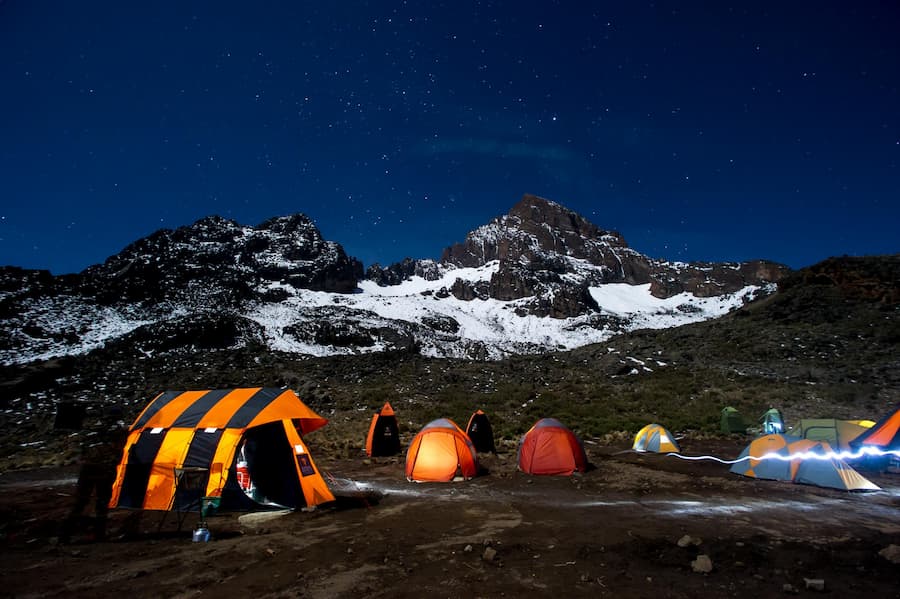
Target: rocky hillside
218, 261
192, 281
539, 278
824, 345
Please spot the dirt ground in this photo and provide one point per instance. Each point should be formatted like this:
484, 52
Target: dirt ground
633, 526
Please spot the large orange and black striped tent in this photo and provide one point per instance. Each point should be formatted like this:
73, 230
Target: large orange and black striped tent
204, 432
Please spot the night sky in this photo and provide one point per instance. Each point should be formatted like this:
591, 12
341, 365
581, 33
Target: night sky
713, 131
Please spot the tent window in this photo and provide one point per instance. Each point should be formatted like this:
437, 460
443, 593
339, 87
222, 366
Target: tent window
305, 464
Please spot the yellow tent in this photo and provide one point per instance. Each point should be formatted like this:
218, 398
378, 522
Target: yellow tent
654, 437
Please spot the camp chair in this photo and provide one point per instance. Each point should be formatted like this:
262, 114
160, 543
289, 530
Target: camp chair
190, 482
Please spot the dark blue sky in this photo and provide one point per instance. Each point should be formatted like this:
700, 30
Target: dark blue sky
711, 131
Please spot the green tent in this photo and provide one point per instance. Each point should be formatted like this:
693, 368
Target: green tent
838, 433
732, 422
772, 422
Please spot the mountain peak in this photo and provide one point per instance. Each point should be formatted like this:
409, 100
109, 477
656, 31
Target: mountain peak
545, 249
534, 227
531, 202
535, 211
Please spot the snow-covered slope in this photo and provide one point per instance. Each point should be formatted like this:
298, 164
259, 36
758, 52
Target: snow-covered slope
540, 278
444, 326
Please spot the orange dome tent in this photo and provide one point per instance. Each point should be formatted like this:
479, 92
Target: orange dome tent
384, 435
440, 452
551, 448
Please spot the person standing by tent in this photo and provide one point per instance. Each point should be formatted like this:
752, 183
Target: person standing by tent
101, 450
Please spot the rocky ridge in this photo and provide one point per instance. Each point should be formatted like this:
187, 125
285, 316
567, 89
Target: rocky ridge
217, 284
554, 255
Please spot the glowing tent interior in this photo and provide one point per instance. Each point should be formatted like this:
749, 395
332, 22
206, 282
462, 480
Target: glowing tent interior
441, 452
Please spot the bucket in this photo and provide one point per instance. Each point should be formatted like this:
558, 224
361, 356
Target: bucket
210, 507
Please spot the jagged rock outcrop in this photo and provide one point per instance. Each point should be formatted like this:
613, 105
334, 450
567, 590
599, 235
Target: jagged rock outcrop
401, 271
545, 235
542, 248
186, 286
704, 279
223, 261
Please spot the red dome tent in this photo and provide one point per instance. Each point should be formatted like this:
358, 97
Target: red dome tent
551, 448
440, 452
384, 435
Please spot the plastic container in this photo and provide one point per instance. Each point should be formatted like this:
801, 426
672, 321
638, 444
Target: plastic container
201, 535
243, 475
210, 507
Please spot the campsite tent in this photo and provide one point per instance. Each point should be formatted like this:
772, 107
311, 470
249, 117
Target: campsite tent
550, 448
772, 422
780, 457
481, 433
655, 437
837, 433
201, 432
440, 452
884, 434
732, 421
384, 435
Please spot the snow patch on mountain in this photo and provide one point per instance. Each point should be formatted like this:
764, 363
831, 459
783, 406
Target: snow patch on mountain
644, 311
418, 314
66, 325
494, 325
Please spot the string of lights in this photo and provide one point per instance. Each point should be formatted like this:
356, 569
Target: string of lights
800, 455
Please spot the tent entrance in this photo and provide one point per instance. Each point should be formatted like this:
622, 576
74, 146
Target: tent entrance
268, 456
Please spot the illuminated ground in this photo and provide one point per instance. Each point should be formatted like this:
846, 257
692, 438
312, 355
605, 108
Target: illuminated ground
613, 531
